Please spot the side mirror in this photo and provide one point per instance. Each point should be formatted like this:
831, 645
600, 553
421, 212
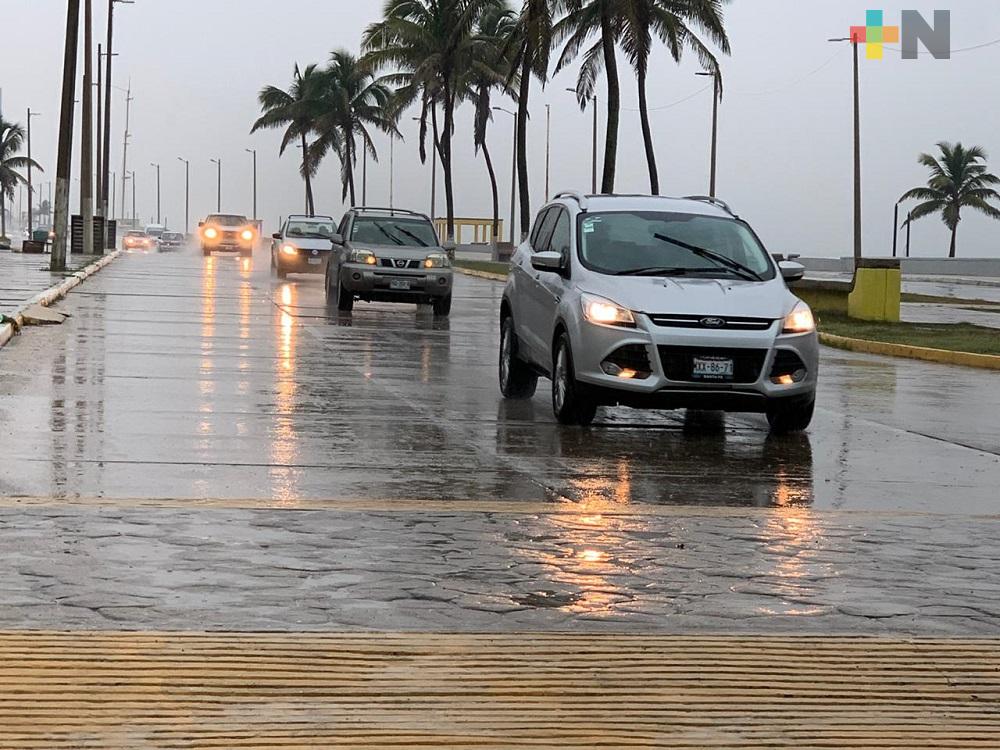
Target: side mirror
791, 271
337, 239
547, 261
201, 224
276, 235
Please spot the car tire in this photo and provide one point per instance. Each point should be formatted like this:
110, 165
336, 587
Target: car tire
442, 306
280, 272
345, 299
788, 418
569, 404
517, 380
206, 252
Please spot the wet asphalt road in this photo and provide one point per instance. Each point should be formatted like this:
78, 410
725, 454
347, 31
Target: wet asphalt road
203, 447
181, 377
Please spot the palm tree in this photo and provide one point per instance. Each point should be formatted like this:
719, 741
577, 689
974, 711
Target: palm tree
671, 22
494, 28
531, 42
352, 101
297, 111
583, 19
431, 44
11, 141
958, 180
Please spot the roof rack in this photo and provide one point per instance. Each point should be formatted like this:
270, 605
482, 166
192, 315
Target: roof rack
307, 216
573, 195
390, 211
714, 201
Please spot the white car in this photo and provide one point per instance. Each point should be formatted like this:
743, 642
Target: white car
660, 303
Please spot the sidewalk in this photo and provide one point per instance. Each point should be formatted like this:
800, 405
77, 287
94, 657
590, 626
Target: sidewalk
24, 276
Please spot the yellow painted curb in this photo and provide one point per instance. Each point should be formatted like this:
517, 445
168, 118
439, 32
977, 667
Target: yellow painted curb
481, 274
941, 356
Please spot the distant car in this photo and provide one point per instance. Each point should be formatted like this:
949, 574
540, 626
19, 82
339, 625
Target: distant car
171, 240
136, 239
659, 303
389, 255
303, 245
229, 232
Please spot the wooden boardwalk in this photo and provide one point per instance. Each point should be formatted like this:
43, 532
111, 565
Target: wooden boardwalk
173, 690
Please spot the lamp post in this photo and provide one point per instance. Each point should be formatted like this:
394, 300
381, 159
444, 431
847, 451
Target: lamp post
105, 165
152, 164
218, 163
64, 160
716, 96
87, 133
254, 152
593, 169
853, 39
187, 194
548, 147
513, 174
392, 167
30, 115
434, 169
895, 227
909, 222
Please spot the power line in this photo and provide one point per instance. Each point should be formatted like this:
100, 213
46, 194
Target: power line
672, 104
954, 51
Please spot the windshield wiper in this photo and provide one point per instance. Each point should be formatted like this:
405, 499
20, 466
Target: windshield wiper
389, 234
653, 271
735, 266
411, 235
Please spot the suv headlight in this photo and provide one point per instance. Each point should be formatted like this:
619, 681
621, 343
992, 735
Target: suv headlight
437, 260
364, 256
247, 234
211, 233
605, 312
799, 320
289, 250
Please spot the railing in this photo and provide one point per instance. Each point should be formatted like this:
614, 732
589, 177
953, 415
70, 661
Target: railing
482, 230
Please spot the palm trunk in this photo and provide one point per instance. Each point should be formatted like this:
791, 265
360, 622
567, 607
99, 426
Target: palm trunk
954, 237
493, 185
3, 214
614, 104
449, 195
350, 168
524, 197
310, 207
647, 134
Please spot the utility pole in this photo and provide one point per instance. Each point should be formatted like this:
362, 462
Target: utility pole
152, 164
100, 135
853, 39
364, 177
895, 227
909, 221
593, 166
513, 174
716, 97
548, 147
30, 190
128, 112
218, 163
87, 133
64, 161
105, 166
254, 152
131, 176
187, 194
111, 205
392, 167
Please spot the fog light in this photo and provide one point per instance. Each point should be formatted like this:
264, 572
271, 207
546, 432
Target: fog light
625, 373
443, 281
782, 380
356, 277
789, 379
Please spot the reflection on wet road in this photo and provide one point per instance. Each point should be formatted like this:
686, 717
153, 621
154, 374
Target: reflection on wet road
186, 377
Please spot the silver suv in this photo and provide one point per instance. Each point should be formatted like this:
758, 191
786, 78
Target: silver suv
659, 303
389, 255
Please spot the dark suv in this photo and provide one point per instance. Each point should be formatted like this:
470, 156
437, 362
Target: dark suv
389, 255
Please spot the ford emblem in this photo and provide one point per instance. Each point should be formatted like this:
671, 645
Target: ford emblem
712, 322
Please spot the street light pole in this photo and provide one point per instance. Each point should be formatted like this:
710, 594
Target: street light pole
99, 140
105, 166
152, 164
548, 147
895, 227
434, 154
716, 96
132, 177
254, 152
593, 165
513, 174
87, 133
853, 39
128, 112
218, 202
187, 194
64, 160
909, 222
30, 193
392, 167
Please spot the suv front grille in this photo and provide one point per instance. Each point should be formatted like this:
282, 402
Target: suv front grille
678, 362
668, 320
393, 263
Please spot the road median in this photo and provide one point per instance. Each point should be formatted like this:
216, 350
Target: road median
941, 356
11, 324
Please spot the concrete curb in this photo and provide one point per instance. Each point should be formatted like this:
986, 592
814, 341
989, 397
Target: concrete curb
13, 323
941, 356
481, 274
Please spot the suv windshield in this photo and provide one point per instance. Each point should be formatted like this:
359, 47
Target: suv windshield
657, 242
312, 229
393, 230
227, 220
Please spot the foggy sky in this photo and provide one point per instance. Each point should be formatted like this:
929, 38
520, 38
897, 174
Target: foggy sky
785, 154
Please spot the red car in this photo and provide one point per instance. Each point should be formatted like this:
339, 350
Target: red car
138, 240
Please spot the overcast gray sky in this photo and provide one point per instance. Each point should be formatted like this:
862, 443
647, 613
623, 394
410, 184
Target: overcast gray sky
785, 122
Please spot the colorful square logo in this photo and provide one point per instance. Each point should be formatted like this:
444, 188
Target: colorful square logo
874, 34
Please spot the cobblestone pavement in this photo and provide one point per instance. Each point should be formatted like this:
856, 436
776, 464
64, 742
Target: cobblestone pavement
201, 447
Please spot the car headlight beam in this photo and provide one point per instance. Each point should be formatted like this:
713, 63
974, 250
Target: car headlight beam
211, 233
247, 235
604, 312
289, 250
436, 260
799, 320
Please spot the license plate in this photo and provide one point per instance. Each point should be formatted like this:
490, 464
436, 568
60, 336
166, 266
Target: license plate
315, 261
399, 284
713, 368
